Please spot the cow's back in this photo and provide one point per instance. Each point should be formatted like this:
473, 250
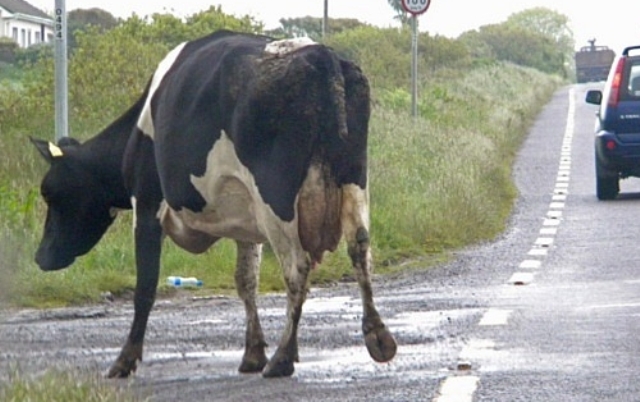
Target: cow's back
240, 128
191, 104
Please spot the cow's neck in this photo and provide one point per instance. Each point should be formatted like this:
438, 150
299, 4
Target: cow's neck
105, 152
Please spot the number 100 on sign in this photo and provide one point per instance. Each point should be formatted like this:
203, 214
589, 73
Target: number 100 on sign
416, 7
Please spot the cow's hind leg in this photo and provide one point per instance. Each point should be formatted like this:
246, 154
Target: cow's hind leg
379, 341
148, 237
296, 272
247, 274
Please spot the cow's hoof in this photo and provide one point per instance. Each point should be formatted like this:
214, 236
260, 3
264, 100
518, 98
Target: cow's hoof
122, 369
380, 344
253, 363
278, 367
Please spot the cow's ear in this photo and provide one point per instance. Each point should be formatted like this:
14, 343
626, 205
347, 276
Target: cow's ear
47, 149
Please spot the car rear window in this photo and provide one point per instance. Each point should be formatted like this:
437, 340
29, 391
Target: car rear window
633, 83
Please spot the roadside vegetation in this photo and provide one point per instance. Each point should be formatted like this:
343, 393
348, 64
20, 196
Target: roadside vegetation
438, 182
70, 386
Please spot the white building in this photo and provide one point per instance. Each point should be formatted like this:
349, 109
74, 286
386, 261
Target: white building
24, 23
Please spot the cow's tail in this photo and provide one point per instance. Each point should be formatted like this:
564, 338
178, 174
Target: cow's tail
337, 90
334, 115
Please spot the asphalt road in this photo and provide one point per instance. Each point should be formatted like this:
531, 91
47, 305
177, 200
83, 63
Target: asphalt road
548, 312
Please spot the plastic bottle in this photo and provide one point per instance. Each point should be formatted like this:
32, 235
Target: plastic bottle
180, 282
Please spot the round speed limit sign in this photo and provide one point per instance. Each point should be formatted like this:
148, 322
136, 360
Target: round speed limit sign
416, 7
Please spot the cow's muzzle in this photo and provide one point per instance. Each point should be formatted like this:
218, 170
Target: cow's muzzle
49, 262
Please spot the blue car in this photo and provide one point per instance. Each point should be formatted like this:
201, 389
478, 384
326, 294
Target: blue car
617, 142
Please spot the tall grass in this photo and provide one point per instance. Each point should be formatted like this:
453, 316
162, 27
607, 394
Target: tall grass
444, 181
58, 386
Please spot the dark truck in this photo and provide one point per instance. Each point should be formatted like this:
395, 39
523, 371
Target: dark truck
593, 62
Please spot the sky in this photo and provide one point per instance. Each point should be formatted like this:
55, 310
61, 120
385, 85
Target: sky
613, 23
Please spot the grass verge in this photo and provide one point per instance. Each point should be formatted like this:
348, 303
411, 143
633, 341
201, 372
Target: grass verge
55, 386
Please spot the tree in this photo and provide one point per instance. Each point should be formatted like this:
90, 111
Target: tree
512, 43
401, 14
544, 21
79, 20
312, 26
92, 16
548, 23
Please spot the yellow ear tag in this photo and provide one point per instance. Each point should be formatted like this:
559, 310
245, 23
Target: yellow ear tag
55, 150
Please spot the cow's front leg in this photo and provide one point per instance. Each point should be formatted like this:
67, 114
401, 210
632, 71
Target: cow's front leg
379, 341
296, 272
148, 239
247, 279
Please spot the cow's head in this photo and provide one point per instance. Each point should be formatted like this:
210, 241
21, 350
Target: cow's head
78, 206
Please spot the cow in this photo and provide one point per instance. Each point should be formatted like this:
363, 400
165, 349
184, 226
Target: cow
236, 136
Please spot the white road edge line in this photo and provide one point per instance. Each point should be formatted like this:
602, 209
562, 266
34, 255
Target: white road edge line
462, 388
495, 317
544, 241
457, 389
548, 231
521, 278
530, 264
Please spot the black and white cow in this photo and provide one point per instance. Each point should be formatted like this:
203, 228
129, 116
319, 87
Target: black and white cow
236, 136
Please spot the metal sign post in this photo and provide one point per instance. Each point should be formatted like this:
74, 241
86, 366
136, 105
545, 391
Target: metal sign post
61, 85
415, 8
414, 65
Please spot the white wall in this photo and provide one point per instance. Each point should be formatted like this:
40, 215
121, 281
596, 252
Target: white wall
27, 33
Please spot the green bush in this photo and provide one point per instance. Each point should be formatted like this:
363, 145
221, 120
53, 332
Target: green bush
385, 54
8, 48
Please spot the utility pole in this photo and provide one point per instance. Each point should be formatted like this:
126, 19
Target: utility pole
61, 83
325, 20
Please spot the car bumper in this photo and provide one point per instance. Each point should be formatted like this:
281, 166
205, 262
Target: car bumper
618, 155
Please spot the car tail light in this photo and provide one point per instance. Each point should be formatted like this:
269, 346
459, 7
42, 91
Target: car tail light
614, 93
611, 145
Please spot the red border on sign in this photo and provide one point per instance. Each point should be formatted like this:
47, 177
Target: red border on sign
404, 6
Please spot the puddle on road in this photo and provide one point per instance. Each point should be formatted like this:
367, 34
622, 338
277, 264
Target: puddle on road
207, 321
218, 355
342, 305
319, 366
427, 342
419, 322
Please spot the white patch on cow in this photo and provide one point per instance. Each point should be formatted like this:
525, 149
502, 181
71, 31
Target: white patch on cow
234, 209
281, 47
145, 121
133, 207
355, 210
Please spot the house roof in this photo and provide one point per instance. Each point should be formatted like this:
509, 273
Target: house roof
22, 7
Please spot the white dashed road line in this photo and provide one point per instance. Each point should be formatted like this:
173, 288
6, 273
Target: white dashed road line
494, 317
530, 264
460, 388
521, 278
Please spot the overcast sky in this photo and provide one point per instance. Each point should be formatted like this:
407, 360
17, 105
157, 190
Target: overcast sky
614, 23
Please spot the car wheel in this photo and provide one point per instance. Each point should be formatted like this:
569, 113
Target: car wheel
607, 188
607, 185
